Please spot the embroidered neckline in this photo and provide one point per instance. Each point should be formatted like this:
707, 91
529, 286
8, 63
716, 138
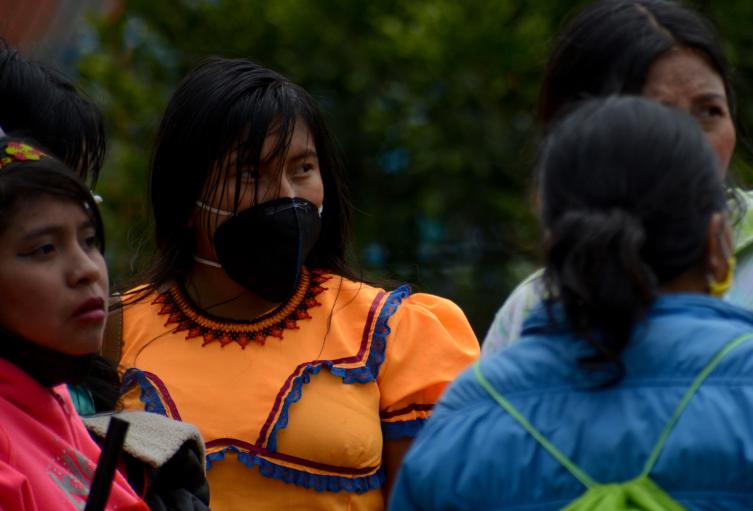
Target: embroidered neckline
180, 310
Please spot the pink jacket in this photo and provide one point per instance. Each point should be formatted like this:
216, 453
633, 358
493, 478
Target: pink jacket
47, 458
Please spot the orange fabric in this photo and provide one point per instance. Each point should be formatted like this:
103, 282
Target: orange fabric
423, 355
238, 397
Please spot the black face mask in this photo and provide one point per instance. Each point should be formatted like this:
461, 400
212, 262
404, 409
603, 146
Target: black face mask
263, 247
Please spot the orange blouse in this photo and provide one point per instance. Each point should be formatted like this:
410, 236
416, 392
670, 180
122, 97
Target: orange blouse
294, 407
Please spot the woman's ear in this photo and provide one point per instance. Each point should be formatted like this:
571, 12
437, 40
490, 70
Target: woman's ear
719, 248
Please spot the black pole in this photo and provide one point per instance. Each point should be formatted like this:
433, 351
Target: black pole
108, 460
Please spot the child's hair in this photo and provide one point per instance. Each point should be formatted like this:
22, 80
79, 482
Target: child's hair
627, 190
40, 103
27, 173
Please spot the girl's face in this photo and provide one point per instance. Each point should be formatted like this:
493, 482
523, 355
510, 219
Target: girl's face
53, 278
683, 78
297, 176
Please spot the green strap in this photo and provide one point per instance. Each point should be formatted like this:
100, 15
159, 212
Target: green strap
734, 343
579, 474
509, 408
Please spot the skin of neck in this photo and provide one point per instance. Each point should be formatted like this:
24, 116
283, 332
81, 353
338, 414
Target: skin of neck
692, 281
216, 293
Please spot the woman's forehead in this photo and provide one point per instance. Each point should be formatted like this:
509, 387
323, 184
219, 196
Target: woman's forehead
228, 174
46, 209
683, 75
280, 141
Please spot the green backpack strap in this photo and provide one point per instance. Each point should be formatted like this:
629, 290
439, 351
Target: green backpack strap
731, 345
581, 476
638, 493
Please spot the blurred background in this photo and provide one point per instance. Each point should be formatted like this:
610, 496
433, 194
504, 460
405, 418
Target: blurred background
432, 102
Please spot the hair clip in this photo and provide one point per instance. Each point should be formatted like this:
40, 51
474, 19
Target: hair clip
18, 151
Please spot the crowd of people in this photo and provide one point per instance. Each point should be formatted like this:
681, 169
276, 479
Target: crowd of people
257, 370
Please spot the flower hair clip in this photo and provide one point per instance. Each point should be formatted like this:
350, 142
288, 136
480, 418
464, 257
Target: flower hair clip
18, 151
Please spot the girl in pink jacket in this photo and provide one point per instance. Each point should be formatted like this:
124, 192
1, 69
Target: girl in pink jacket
53, 296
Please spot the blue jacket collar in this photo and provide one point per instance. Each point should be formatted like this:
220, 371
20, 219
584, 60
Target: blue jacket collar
551, 320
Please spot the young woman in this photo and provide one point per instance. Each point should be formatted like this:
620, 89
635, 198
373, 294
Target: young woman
664, 52
306, 383
607, 384
53, 296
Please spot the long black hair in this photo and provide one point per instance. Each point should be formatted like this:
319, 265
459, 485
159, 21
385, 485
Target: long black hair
232, 105
41, 103
609, 46
628, 187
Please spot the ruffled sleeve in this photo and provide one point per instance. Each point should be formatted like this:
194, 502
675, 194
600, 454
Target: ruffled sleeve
429, 344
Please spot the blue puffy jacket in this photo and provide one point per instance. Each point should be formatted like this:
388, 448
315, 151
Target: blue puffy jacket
473, 455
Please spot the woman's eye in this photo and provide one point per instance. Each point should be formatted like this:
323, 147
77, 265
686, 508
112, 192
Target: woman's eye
711, 111
93, 241
247, 172
40, 251
48, 248
248, 175
306, 167
244, 172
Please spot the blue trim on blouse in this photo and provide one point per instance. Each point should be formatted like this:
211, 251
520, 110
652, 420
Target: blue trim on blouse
288, 475
364, 374
402, 429
149, 395
370, 370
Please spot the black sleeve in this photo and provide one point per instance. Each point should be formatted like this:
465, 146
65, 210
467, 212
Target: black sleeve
180, 484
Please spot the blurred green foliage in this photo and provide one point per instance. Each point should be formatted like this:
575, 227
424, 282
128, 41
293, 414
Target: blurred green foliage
432, 102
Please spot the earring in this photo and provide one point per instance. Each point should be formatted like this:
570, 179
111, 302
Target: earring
719, 288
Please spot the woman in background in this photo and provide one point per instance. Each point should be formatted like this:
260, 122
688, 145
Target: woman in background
632, 388
662, 51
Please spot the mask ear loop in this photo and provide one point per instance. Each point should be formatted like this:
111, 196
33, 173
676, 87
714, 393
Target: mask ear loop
207, 262
211, 209
216, 211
